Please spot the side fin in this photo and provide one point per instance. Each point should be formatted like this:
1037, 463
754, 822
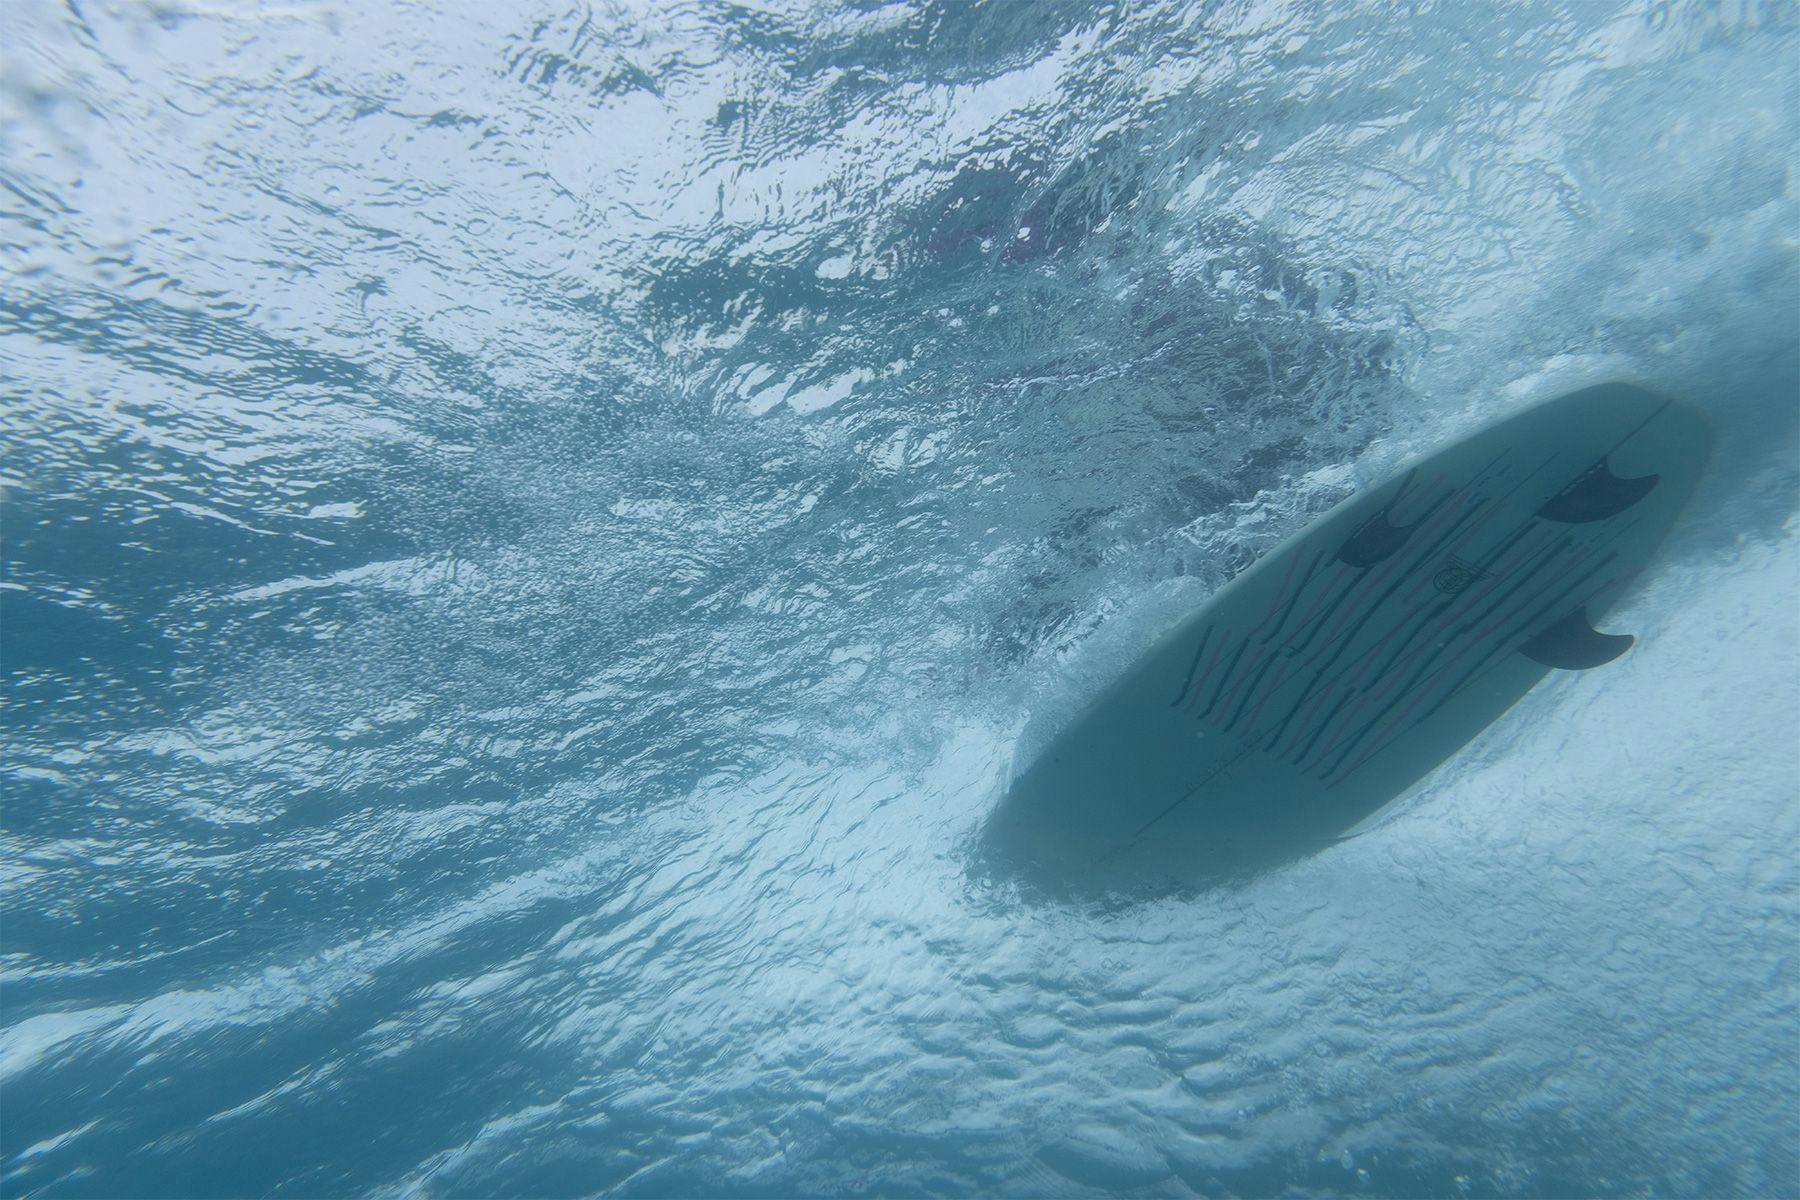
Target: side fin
1573, 644
1378, 537
1373, 541
1595, 495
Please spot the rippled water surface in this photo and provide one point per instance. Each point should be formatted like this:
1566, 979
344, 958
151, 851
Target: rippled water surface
531, 533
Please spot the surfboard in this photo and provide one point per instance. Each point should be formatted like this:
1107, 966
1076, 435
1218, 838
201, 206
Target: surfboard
1363, 652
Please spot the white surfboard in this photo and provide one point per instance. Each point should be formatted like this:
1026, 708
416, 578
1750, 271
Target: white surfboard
1346, 664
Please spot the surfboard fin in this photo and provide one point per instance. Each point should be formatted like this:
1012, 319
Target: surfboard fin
1573, 644
1596, 495
1373, 541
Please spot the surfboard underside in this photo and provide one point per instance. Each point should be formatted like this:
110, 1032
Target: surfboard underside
1363, 652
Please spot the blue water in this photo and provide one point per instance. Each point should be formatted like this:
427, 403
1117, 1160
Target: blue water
531, 534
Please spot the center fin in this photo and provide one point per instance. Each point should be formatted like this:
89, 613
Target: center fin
1595, 495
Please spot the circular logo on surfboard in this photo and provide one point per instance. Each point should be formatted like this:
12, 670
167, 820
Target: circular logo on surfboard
1454, 577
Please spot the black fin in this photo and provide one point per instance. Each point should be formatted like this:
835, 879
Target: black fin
1596, 495
1373, 541
1572, 644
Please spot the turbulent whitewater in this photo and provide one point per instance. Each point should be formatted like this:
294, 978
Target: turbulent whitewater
532, 533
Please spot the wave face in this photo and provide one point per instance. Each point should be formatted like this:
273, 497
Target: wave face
531, 536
